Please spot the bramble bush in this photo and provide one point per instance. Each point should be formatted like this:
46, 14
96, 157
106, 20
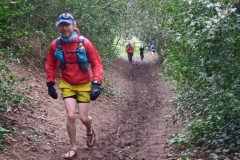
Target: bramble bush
203, 60
10, 31
2, 133
10, 96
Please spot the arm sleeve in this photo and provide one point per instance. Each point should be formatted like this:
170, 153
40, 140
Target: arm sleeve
94, 60
126, 48
52, 63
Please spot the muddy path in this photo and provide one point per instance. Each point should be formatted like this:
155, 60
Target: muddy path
135, 124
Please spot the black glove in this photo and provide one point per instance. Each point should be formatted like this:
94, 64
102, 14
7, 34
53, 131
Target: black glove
51, 90
95, 91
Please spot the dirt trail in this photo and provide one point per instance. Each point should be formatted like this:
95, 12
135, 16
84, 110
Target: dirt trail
135, 124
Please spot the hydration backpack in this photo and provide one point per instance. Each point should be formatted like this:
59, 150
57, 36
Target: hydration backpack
80, 51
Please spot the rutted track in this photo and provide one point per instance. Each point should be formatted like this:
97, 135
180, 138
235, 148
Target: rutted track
139, 126
134, 125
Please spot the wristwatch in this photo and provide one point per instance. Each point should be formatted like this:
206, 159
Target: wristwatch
96, 82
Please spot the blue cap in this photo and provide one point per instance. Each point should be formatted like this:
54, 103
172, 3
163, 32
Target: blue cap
65, 17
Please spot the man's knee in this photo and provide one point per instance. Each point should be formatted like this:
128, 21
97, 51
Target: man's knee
71, 117
84, 119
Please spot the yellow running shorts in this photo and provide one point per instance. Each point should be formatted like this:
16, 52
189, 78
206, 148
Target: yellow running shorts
80, 92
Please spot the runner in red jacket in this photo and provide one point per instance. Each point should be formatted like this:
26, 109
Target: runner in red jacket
73, 53
130, 50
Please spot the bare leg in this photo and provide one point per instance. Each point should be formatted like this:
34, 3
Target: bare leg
70, 104
153, 54
85, 119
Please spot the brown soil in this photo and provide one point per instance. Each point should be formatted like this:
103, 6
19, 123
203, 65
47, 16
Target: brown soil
135, 124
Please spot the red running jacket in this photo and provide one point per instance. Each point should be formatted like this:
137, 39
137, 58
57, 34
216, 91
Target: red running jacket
73, 74
129, 49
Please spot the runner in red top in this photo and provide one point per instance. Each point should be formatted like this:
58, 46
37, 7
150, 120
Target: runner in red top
74, 54
130, 50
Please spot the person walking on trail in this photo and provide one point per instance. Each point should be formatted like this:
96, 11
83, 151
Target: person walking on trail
149, 48
153, 51
141, 52
73, 53
130, 50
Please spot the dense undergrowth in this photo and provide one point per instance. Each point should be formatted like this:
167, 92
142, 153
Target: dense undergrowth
203, 60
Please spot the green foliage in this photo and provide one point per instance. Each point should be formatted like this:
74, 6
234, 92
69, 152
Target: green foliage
11, 30
100, 23
203, 58
3, 132
9, 95
142, 19
97, 21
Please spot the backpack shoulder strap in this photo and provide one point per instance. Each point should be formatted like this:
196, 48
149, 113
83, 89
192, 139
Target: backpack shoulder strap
58, 44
